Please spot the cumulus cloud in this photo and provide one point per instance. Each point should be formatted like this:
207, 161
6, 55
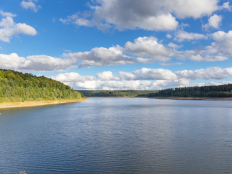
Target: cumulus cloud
46, 63
183, 35
208, 73
112, 84
214, 22
34, 63
169, 64
30, 5
222, 44
72, 77
101, 57
150, 14
144, 79
150, 48
143, 50
219, 50
11, 61
201, 55
8, 27
148, 74
144, 14
107, 75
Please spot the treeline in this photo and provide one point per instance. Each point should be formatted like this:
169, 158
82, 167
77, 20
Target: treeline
18, 87
116, 93
204, 91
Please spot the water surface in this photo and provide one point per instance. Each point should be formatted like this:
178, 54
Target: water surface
118, 135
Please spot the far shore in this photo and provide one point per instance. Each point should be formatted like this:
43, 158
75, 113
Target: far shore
37, 103
194, 98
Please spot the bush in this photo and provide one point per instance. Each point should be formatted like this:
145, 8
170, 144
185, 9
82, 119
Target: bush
18, 99
6, 99
1, 99
39, 99
12, 99
30, 99
50, 98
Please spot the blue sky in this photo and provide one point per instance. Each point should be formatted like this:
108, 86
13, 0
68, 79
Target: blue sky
115, 44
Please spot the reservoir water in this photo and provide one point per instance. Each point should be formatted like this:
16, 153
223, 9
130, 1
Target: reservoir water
118, 135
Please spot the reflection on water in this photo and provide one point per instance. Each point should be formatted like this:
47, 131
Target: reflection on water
118, 135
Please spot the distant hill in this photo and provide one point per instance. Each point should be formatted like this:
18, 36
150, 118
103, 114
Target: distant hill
117, 93
18, 87
204, 91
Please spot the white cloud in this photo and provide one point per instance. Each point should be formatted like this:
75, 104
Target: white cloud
11, 61
107, 75
201, 55
72, 77
183, 35
25, 29
34, 63
169, 36
8, 28
148, 74
114, 85
134, 14
172, 45
208, 73
46, 63
225, 5
222, 45
78, 19
150, 48
83, 22
7, 14
214, 21
191, 8
219, 50
146, 14
169, 64
30, 5
144, 50
101, 57
144, 78
162, 84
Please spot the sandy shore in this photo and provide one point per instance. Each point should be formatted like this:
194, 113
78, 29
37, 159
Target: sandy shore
37, 103
193, 98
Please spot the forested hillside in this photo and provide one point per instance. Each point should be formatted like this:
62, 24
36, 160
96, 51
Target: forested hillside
116, 93
18, 87
204, 91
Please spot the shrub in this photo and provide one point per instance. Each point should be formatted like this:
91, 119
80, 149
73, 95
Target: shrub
18, 99
12, 99
6, 99
39, 99
30, 99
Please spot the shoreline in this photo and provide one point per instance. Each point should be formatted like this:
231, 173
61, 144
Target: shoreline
193, 98
37, 103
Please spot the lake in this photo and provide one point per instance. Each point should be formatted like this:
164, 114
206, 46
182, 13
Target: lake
118, 135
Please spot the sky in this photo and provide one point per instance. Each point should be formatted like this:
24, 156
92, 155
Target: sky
119, 44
